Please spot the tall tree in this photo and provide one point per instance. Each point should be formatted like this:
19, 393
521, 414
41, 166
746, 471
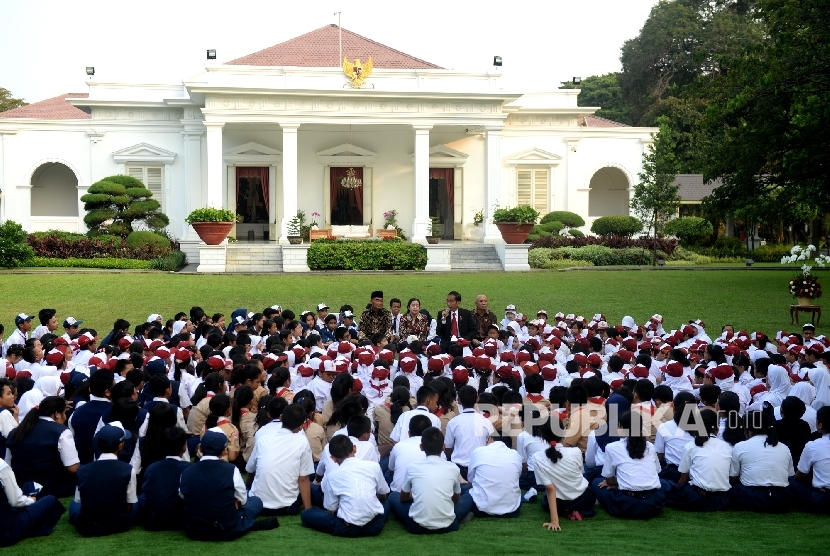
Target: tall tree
655, 196
7, 102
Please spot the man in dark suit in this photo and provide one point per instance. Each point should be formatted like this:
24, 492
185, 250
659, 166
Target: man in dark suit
454, 321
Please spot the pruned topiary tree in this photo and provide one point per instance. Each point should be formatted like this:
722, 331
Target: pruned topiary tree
116, 202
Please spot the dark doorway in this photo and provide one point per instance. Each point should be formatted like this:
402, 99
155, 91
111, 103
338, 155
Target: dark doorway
251, 191
440, 200
346, 204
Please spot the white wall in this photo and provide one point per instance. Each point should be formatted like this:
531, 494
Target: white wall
54, 191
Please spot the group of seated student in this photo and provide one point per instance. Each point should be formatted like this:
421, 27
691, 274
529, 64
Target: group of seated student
217, 432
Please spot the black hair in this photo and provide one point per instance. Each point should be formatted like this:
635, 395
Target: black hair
594, 386
793, 408
399, 398
762, 366
709, 394
219, 405
643, 359
635, 443
340, 446
358, 425
577, 394
341, 388
446, 392
4, 383
467, 396
730, 405
615, 363
293, 416
125, 410
644, 389
760, 422
549, 433
662, 393
211, 383
716, 354
159, 383
276, 406
680, 402
418, 424
242, 396
161, 417
534, 384
455, 295
47, 407
432, 440
680, 356
709, 419
45, 315
557, 396
424, 393
174, 440
401, 380
100, 382
823, 417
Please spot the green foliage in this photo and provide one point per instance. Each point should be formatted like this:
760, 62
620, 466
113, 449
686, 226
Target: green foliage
537, 258
388, 254
604, 91
655, 195
172, 262
435, 227
569, 219
58, 234
619, 225
522, 214
729, 242
139, 239
14, 249
566, 263
101, 262
576, 233
123, 200
690, 230
770, 253
7, 102
209, 214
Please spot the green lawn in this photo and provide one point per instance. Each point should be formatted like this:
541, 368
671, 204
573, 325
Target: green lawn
752, 299
674, 532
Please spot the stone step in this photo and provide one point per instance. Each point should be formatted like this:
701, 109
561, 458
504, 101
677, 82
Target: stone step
474, 257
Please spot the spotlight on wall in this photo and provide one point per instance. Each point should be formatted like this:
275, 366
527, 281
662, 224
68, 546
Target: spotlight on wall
577, 80
90, 71
497, 61
211, 54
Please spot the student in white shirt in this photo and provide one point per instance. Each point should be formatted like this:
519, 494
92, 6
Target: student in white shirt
354, 495
27, 516
631, 487
280, 464
814, 497
672, 437
432, 498
467, 431
427, 404
359, 430
617, 404
761, 468
494, 473
559, 469
704, 472
407, 452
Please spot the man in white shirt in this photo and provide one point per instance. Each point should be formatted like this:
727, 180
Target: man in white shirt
48, 323
359, 430
354, 493
494, 472
432, 499
467, 431
280, 465
407, 452
427, 400
814, 496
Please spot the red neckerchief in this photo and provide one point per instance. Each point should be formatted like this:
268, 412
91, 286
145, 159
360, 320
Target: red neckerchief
307, 423
281, 392
562, 412
440, 412
599, 400
535, 397
209, 395
243, 411
222, 421
379, 387
642, 407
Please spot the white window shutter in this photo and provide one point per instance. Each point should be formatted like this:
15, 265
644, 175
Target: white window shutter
540, 191
151, 177
136, 172
524, 187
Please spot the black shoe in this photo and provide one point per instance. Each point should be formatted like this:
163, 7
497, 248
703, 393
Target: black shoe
266, 524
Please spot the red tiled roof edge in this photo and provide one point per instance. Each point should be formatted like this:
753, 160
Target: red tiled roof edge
55, 108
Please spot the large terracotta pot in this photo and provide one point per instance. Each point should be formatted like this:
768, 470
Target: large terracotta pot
514, 233
212, 233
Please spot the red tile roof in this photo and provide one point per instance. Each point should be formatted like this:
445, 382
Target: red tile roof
596, 121
320, 49
55, 108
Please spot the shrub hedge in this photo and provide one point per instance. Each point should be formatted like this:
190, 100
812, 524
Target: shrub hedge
691, 230
139, 239
620, 225
81, 247
597, 255
566, 263
389, 254
569, 219
612, 241
770, 253
101, 262
172, 262
14, 251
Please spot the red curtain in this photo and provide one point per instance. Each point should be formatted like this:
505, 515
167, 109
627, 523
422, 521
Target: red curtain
448, 175
260, 172
336, 174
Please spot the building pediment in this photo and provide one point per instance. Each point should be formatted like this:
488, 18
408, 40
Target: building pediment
144, 153
252, 153
347, 155
444, 156
533, 157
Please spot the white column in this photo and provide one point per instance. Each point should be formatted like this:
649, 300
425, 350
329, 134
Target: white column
215, 166
4, 190
492, 182
289, 177
192, 189
420, 226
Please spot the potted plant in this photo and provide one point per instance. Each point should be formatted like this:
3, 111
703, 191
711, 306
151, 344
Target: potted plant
390, 219
295, 226
805, 287
211, 224
314, 225
435, 230
515, 223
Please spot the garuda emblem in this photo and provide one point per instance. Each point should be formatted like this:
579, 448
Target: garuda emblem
357, 71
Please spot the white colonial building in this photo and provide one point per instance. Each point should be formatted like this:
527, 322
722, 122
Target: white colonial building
277, 131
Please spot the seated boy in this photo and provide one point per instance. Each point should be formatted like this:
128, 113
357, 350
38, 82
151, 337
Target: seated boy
354, 495
163, 508
432, 498
216, 505
105, 500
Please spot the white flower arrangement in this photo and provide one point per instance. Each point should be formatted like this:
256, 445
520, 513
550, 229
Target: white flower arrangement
798, 253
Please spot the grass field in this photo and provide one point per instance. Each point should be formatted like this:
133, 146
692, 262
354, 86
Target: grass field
674, 533
754, 300
748, 299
